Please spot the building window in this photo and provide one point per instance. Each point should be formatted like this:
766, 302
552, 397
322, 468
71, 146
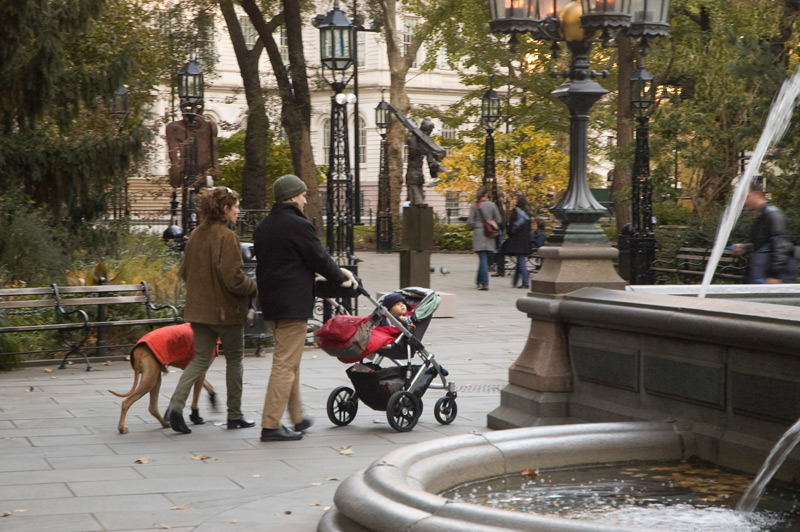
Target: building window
448, 132
441, 60
408, 37
362, 141
248, 31
452, 203
361, 49
326, 141
284, 44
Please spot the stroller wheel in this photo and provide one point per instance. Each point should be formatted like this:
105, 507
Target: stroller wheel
342, 406
445, 410
403, 411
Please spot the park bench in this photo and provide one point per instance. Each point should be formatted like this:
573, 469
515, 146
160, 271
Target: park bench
78, 310
689, 265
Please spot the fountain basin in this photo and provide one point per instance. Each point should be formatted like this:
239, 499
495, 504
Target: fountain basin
398, 491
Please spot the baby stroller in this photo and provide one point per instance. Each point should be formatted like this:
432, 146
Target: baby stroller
397, 387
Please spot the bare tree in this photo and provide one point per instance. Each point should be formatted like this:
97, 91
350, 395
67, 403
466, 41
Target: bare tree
254, 182
292, 81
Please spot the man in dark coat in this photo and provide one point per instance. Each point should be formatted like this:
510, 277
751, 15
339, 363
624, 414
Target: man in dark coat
771, 252
289, 256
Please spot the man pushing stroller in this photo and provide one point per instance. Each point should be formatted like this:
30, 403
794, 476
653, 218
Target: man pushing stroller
289, 255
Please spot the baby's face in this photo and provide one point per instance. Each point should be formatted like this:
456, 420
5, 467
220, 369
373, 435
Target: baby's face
399, 309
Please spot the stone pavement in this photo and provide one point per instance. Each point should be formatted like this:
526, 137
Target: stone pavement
65, 468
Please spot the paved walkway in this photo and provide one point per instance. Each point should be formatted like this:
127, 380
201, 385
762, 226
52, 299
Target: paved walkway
64, 467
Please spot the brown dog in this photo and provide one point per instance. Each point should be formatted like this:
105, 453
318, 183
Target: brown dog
168, 346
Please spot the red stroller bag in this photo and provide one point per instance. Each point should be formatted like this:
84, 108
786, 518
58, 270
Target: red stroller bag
344, 336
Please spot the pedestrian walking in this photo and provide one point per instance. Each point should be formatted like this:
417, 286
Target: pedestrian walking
289, 255
519, 240
217, 295
481, 213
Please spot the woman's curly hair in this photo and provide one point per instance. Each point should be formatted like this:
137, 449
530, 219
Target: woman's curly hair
211, 203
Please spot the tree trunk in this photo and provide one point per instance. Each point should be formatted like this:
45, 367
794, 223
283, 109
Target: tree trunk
254, 179
622, 171
294, 93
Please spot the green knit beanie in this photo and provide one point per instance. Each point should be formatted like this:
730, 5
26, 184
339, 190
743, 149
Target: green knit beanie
287, 187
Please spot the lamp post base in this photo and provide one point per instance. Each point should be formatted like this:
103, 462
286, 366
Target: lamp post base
571, 266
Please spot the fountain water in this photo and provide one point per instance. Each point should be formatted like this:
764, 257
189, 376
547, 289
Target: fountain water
777, 121
776, 124
776, 457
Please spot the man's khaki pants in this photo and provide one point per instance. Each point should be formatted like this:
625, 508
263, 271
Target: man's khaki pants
283, 389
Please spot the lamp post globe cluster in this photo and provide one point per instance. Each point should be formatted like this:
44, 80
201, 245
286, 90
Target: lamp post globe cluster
579, 24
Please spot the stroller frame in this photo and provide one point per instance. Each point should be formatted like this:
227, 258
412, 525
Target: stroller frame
404, 406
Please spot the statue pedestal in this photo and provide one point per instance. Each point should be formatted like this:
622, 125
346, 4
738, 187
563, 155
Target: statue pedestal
540, 380
417, 243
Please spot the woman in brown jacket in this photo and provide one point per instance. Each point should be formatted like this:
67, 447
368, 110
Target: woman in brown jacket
217, 294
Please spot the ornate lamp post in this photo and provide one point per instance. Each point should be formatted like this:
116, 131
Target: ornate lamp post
642, 240
649, 20
191, 92
383, 119
336, 54
490, 114
577, 23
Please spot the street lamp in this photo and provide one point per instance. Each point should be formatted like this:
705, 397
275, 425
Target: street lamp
383, 119
577, 23
490, 114
191, 86
336, 55
191, 92
649, 21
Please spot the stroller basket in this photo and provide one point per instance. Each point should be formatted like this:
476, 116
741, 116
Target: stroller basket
375, 385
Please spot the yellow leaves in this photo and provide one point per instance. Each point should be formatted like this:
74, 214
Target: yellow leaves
144, 460
346, 451
526, 160
179, 507
202, 457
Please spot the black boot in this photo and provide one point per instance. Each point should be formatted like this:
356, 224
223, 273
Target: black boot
195, 417
178, 424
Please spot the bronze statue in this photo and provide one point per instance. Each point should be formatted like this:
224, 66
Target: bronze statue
192, 145
420, 149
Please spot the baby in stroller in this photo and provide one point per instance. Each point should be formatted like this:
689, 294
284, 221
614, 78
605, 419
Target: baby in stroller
398, 307
391, 334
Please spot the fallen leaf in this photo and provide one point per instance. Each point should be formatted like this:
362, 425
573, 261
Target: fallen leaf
332, 479
179, 507
288, 512
144, 460
316, 503
20, 511
54, 377
234, 521
528, 472
347, 451
378, 421
30, 389
165, 527
48, 370
201, 457
481, 326
107, 363
316, 484
256, 476
5, 514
